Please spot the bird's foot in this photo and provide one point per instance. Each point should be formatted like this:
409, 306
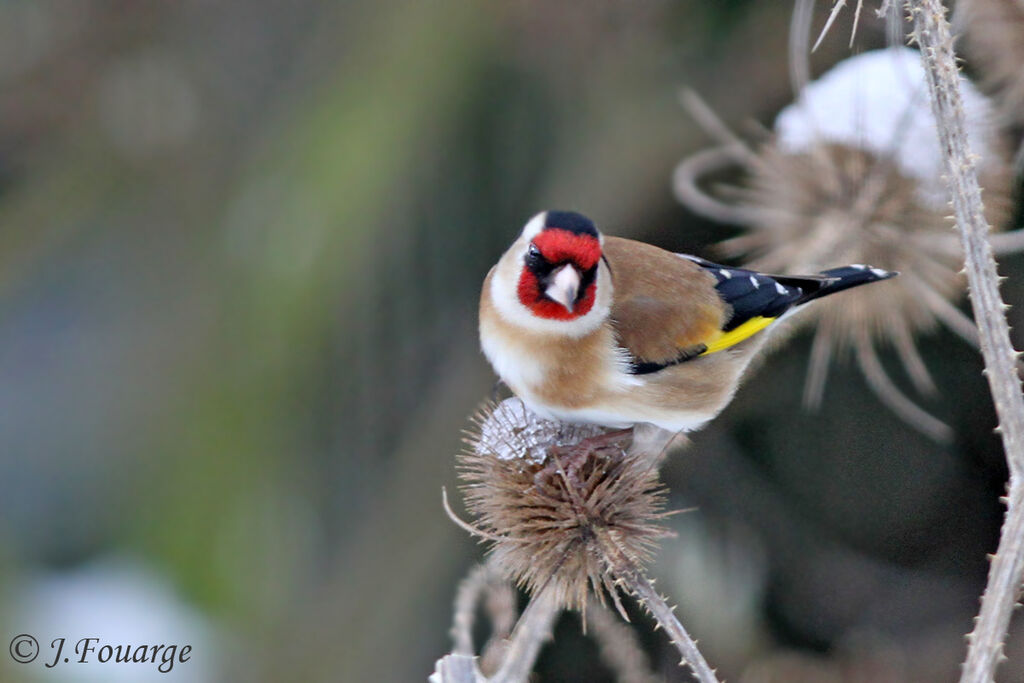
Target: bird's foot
570, 459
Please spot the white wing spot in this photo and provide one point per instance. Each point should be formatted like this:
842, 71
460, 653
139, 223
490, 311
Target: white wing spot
780, 289
859, 266
726, 273
878, 272
754, 282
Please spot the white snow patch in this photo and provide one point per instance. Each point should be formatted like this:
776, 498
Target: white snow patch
878, 101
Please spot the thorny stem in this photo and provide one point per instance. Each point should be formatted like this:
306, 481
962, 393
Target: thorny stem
932, 33
637, 583
997, 603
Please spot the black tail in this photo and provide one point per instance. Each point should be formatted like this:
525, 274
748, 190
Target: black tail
751, 294
837, 279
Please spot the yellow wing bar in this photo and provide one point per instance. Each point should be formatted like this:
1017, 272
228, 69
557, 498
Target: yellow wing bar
748, 329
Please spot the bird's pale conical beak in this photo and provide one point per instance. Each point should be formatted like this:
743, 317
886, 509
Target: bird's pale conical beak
564, 286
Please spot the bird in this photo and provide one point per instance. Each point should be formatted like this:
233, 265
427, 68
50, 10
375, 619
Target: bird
588, 328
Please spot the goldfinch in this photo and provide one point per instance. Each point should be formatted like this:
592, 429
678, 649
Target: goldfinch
610, 331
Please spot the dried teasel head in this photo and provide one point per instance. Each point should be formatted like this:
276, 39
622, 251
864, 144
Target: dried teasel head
853, 174
555, 500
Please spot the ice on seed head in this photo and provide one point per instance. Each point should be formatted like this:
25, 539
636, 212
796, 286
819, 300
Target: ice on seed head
513, 431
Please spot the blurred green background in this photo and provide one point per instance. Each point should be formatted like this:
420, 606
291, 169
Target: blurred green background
241, 246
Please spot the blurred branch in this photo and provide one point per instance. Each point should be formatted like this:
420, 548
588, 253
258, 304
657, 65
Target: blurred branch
533, 629
619, 646
466, 599
455, 668
932, 33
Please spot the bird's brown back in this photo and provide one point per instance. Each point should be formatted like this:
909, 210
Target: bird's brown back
663, 303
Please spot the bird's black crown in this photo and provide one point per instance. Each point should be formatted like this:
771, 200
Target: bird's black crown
571, 221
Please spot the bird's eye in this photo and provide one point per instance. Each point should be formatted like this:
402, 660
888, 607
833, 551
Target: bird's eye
534, 258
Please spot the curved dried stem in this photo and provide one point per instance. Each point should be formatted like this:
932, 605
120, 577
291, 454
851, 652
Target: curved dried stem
532, 631
500, 603
799, 39
714, 126
466, 599
912, 361
483, 584
892, 397
619, 647
686, 184
951, 316
465, 526
932, 34
817, 369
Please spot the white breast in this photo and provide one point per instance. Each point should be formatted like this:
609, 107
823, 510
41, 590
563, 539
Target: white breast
511, 361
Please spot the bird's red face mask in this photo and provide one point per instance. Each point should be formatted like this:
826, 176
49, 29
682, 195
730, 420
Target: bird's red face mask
559, 276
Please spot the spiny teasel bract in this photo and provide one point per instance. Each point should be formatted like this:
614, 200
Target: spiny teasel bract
853, 174
554, 498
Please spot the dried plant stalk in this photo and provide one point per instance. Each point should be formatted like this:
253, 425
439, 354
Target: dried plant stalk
466, 598
456, 668
619, 646
932, 34
532, 631
521, 650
